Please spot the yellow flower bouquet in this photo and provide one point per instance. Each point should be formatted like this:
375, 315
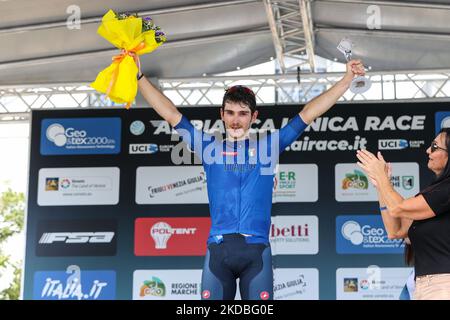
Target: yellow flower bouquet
134, 36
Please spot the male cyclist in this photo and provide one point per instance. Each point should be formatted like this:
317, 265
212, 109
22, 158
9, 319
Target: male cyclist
239, 172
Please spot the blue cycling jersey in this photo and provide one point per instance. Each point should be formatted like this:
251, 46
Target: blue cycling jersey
240, 176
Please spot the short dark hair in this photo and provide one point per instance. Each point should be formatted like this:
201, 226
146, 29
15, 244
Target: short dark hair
240, 94
446, 172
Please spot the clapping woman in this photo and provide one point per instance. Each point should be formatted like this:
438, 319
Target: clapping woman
425, 218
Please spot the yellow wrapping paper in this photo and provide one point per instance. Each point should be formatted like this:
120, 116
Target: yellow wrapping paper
119, 81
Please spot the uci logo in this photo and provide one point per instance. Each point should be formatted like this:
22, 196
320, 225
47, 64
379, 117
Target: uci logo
145, 148
392, 144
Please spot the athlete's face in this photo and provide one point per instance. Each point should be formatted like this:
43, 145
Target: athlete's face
238, 118
438, 157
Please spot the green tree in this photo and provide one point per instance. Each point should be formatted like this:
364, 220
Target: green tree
12, 208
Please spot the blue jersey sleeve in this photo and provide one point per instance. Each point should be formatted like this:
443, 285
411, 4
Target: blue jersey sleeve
194, 138
290, 132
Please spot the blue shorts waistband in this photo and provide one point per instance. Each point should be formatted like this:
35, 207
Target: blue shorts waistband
233, 236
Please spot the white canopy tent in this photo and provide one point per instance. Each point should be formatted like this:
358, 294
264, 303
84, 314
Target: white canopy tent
213, 37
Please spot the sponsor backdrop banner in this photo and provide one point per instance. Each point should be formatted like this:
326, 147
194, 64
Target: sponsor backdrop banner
118, 209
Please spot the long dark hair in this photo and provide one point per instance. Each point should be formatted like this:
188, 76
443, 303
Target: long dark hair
445, 174
409, 255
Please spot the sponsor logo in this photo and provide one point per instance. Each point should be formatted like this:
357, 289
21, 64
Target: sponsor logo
351, 231
286, 180
181, 184
143, 148
408, 182
355, 180
442, 120
416, 143
74, 284
65, 183
299, 282
392, 144
76, 238
137, 127
165, 147
364, 234
80, 136
287, 188
296, 284
291, 231
153, 191
162, 231
371, 283
167, 284
78, 186
321, 124
206, 294
350, 284
399, 144
51, 184
351, 184
402, 123
154, 287
364, 284
295, 234
306, 144
264, 295
171, 236
405, 182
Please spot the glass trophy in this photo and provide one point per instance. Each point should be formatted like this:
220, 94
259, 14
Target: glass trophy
359, 84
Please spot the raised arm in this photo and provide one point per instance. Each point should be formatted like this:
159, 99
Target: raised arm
396, 228
321, 104
162, 105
